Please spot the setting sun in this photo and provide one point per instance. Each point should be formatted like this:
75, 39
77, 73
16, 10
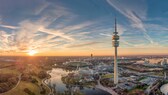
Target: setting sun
32, 52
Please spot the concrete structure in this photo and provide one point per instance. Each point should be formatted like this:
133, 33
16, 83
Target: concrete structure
164, 62
146, 61
115, 44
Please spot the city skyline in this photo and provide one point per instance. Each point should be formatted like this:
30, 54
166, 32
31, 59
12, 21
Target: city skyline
74, 28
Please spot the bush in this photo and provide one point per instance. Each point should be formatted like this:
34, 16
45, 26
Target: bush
13, 80
4, 77
7, 81
42, 74
26, 77
43, 91
26, 90
4, 87
34, 80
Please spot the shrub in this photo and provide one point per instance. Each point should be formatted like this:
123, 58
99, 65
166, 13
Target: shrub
26, 90
42, 74
43, 91
34, 80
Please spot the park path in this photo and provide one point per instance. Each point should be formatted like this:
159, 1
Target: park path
20, 75
107, 89
43, 82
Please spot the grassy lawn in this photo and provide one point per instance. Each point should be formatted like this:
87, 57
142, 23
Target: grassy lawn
142, 78
9, 70
135, 91
40, 82
31, 86
5, 64
138, 90
107, 76
19, 90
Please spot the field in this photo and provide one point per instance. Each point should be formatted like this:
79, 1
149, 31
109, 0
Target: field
75, 64
19, 87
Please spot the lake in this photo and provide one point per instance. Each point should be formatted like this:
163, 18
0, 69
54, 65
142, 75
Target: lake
56, 75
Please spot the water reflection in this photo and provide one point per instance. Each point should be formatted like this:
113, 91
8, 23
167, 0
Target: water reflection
56, 75
66, 87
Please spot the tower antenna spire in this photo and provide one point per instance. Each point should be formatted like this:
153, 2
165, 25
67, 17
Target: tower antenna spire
115, 24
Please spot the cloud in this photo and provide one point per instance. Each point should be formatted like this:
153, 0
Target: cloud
37, 34
24, 36
79, 26
156, 27
41, 7
120, 29
56, 33
6, 40
83, 44
135, 11
8, 26
103, 34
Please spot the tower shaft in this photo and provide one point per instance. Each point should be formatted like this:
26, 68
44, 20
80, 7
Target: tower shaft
115, 67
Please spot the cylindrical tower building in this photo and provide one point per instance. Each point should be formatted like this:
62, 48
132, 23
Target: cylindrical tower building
115, 43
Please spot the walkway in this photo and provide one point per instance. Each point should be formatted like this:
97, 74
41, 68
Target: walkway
107, 89
20, 76
43, 82
151, 87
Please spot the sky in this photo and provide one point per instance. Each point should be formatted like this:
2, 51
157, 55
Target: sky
82, 27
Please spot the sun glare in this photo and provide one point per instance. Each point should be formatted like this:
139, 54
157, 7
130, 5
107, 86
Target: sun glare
32, 52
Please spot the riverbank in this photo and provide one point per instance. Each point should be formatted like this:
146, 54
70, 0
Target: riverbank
43, 82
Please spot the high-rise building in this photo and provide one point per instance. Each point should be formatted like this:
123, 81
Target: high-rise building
91, 55
115, 43
91, 58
